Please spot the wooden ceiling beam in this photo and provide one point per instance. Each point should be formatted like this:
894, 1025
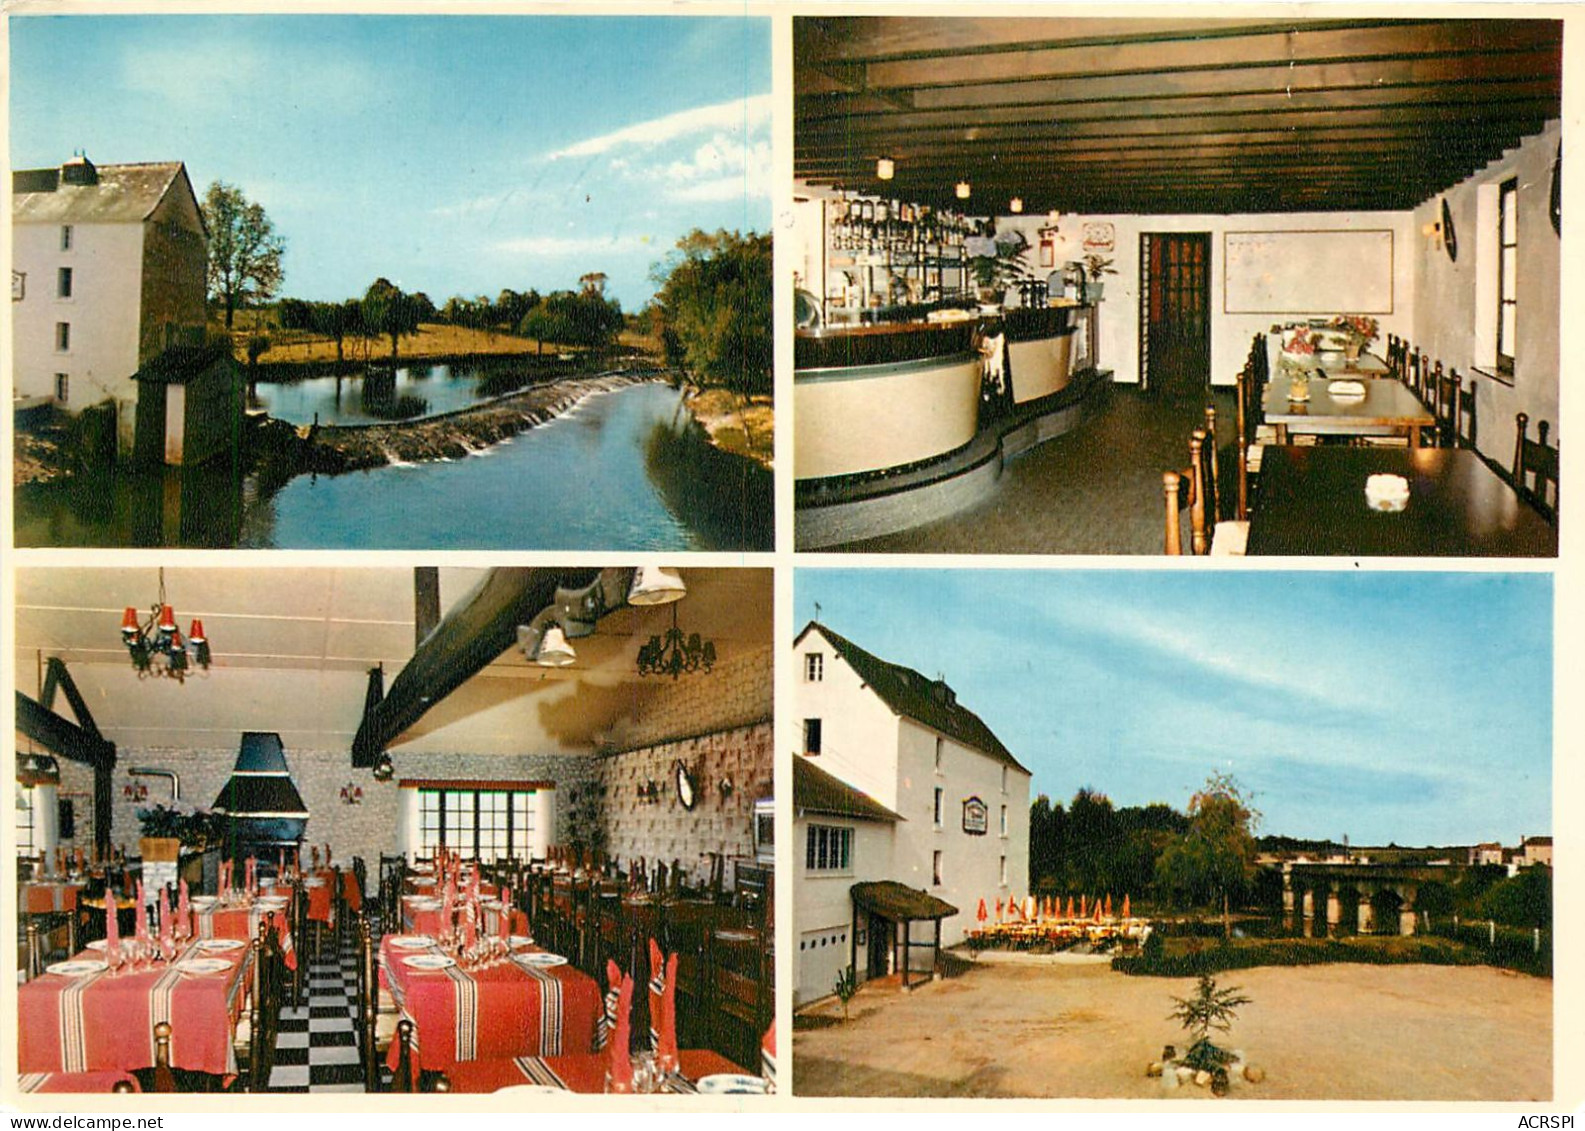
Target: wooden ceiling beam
1276, 77
844, 38
1299, 43
1528, 99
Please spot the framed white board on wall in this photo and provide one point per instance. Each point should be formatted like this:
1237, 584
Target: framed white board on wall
1308, 272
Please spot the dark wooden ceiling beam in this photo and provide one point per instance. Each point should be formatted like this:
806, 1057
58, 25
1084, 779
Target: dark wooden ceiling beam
844, 38
1168, 146
1277, 77
1404, 153
1299, 43
1521, 99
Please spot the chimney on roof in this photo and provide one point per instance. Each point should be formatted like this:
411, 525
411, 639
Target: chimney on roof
79, 171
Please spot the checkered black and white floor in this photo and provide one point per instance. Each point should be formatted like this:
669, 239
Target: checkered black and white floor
317, 1047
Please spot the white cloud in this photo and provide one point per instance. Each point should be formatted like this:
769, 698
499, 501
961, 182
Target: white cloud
553, 246
738, 115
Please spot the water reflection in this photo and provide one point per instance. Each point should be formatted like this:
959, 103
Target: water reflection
197, 507
359, 398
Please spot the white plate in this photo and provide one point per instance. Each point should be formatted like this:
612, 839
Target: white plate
203, 901
412, 942
730, 1084
530, 1090
97, 944
429, 961
425, 905
76, 968
221, 944
271, 904
521, 940
200, 967
313, 883
540, 958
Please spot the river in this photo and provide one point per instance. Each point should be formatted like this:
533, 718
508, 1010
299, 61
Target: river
625, 470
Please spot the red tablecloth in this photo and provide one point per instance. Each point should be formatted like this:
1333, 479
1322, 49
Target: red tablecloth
505, 1010
349, 892
234, 922
422, 921
99, 1022
319, 902
75, 1081
578, 1072
38, 898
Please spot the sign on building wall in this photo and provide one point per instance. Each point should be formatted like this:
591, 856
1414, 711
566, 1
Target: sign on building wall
975, 816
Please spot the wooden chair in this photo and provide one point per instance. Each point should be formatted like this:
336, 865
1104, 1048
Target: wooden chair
1448, 387
1464, 411
1196, 489
259, 1027
1535, 467
743, 991
378, 1018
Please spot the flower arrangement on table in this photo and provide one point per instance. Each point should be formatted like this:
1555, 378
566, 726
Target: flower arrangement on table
1298, 344
1361, 327
1298, 354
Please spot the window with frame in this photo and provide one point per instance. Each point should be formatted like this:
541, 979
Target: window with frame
814, 667
63, 336
828, 848
935, 868
1003, 872
487, 824
63, 282
62, 388
66, 237
1507, 273
940, 743
1004, 779
26, 798
1004, 820
812, 736
941, 796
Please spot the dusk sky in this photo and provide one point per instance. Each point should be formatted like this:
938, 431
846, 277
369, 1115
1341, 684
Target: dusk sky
452, 154
1388, 706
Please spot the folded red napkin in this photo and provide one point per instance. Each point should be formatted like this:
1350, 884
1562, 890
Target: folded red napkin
666, 1050
183, 909
142, 916
657, 992
112, 928
621, 1064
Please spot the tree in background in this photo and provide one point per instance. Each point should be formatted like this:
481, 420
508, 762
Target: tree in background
244, 249
388, 310
574, 319
712, 309
1216, 855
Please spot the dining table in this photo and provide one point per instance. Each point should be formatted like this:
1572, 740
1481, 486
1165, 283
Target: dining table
1312, 501
1385, 407
240, 920
41, 897
583, 1073
508, 1008
86, 1018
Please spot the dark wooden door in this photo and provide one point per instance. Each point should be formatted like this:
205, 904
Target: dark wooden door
1175, 315
880, 947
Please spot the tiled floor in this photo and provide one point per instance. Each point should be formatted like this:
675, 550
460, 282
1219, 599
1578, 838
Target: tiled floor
317, 1048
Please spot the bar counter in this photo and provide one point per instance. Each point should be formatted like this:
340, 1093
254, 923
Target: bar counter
867, 398
872, 397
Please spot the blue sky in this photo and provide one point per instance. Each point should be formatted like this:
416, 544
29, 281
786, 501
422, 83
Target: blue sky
451, 154
1388, 706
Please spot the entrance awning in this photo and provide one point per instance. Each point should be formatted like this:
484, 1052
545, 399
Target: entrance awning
899, 902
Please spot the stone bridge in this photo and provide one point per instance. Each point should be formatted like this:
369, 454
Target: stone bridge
1303, 882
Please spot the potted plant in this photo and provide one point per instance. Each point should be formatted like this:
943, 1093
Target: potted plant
1359, 330
167, 830
998, 263
1094, 267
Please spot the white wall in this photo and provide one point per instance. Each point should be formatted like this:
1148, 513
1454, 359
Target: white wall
106, 262
1455, 312
971, 868
859, 732
1230, 333
823, 907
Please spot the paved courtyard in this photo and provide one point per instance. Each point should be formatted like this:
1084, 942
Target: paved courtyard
1035, 1028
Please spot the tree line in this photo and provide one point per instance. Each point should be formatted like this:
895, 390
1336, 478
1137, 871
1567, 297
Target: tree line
711, 311
1205, 857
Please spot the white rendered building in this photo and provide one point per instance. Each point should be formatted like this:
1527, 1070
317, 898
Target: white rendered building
916, 804
107, 271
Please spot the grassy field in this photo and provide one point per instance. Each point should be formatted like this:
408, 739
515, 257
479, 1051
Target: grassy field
434, 339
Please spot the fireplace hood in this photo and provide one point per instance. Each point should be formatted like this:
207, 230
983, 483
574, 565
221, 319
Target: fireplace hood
260, 800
